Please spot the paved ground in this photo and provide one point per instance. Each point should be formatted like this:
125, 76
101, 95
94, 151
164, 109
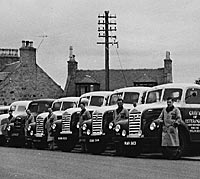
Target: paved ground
19, 163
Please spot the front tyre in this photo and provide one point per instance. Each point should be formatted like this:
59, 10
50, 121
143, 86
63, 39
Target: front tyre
131, 151
68, 146
95, 148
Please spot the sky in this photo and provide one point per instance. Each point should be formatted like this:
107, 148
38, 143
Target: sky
146, 29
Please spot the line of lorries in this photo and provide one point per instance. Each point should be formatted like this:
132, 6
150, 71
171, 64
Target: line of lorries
129, 137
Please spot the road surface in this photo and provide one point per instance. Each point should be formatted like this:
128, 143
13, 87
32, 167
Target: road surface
19, 163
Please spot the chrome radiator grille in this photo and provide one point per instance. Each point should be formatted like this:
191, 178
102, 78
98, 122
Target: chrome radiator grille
134, 123
39, 125
66, 122
97, 123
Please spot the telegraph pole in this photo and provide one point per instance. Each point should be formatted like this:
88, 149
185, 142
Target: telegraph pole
105, 27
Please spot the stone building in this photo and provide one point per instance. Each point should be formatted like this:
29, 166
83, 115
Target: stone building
22, 79
81, 81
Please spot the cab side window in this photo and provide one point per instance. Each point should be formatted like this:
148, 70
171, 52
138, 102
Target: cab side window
192, 96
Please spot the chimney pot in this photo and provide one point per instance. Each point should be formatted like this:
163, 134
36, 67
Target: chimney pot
23, 43
27, 43
31, 43
167, 55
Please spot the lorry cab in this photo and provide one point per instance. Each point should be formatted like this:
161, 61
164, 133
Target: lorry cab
15, 128
16, 131
66, 130
98, 131
37, 131
135, 134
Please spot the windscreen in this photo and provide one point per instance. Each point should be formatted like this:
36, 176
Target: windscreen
114, 97
175, 93
67, 105
154, 96
131, 97
96, 100
21, 108
192, 96
56, 106
40, 106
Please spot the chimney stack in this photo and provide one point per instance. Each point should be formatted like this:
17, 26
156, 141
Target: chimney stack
168, 68
28, 53
31, 43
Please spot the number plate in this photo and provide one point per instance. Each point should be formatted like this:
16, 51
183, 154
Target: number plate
15, 134
94, 140
129, 142
62, 138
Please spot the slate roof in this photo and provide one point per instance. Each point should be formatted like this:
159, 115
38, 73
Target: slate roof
122, 78
8, 69
88, 79
11, 67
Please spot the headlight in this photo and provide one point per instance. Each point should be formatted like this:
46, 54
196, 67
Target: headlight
29, 128
53, 126
117, 128
77, 125
152, 126
124, 133
31, 133
110, 125
88, 132
140, 132
84, 127
8, 128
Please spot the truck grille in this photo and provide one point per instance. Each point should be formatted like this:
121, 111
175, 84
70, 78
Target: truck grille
97, 123
134, 123
39, 125
66, 122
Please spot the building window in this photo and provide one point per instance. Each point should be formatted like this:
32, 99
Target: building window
91, 87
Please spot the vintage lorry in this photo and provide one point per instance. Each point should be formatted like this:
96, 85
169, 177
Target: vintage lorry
37, 131
97, 132
137, 134
15, 129
66, 131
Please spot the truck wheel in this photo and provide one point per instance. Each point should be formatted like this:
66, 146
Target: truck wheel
119, 149
28, 144
68, 146
177, 152
39, 146
96, 148
133, 151
2, 140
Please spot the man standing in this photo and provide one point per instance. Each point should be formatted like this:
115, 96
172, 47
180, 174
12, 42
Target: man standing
84, 115
171, 118
29, 119
120, 112
50, 119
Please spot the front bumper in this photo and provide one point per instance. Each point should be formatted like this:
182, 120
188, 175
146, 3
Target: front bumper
104, 138
128, 140
65, 136
39, 138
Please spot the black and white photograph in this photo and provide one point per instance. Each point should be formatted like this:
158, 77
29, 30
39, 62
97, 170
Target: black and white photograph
99, 89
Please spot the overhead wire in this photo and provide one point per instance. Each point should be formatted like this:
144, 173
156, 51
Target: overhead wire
113, 44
